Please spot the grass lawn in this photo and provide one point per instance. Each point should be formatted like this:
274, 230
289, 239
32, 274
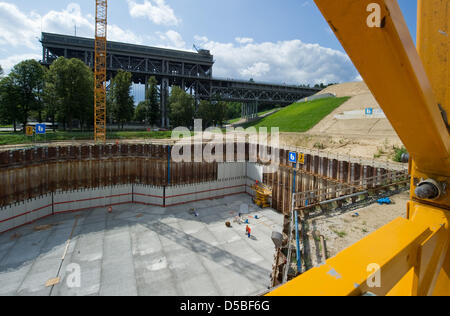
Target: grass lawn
300, 117
19, 138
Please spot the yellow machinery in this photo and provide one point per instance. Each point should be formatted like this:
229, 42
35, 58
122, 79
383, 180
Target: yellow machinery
408, 256
100, 70
263, 193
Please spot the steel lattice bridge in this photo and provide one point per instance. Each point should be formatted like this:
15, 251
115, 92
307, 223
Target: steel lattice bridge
191, 71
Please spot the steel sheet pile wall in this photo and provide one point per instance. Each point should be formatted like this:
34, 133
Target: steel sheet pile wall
26, 174
84, 177
325, 177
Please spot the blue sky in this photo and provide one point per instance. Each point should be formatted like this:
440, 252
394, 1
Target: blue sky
268, 40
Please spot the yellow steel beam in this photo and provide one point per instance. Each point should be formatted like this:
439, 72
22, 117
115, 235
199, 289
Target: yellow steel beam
347, 273
434, 250
433, 39
433, 45
412, 254
408, 253
376, 38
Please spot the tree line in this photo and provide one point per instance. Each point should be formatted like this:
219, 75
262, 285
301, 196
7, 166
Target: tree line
64, 94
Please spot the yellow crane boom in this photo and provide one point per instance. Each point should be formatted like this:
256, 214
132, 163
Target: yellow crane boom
100, 70
408, 256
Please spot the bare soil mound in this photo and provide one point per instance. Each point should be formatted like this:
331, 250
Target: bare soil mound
344, 122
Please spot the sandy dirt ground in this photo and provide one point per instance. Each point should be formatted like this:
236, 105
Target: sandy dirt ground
344, 230
348, 89
369, 147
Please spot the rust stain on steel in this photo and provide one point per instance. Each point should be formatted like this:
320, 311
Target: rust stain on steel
29, 173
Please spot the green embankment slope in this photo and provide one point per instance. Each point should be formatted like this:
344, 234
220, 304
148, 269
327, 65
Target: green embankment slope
300, 117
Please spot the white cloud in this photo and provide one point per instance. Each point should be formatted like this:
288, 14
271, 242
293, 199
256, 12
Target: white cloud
117, 34
257, 70
64, 21
9, 62
21, 30
292, 62
172, 39
244, 40
17, 28
358, 78
200, 39
306, 4
284, 61
156, 11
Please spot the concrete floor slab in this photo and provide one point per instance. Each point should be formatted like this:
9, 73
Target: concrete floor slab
140, 250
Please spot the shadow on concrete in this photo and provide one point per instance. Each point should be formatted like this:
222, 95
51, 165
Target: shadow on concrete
24, 246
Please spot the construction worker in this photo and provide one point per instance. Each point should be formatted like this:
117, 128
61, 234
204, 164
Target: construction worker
248, 231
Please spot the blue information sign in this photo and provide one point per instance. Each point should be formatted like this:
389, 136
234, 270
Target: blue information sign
293, 157
40, 129
369, 111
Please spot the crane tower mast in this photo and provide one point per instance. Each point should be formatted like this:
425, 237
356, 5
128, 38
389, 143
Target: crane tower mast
101, 18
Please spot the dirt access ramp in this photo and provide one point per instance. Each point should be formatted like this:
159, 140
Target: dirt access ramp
350, 119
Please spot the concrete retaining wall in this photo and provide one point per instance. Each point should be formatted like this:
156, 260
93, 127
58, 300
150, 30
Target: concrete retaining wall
148, 195
233, 178
230, 170
254, 173
19, 214
178, 195
24, 213
80, 200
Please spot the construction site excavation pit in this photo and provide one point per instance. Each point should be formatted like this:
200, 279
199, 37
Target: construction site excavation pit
142, 250
129, 220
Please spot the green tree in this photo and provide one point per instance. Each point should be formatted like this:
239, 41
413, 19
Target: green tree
153, 108
28, 77
51, 101
206, 113
233, 110
69, 92
140, 114
122, 102
9, 96
182, 108
212, 113
220, 111
1, 72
